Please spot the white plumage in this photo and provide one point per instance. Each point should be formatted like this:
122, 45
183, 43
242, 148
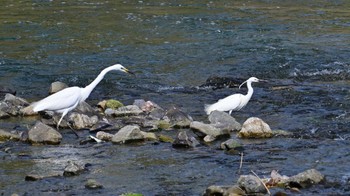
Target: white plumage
233, 102
68, 98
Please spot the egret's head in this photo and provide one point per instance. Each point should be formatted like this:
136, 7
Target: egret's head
253, 79
120, 67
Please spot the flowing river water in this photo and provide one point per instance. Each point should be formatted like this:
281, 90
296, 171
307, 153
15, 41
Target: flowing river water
174, 47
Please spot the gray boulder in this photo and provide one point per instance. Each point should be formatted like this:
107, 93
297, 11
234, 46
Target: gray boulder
305, 179
104, 136
255, 128
178, 118
127, 134
57, 86
129, 110
251, 184
15, 101
81, 121
208, 131
184, 141
224, 121
43, 134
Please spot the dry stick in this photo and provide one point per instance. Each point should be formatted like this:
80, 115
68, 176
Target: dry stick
241, 163
268, 191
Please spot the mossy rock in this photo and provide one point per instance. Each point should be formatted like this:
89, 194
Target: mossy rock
131, 194
165, 138
163, 124
113, 104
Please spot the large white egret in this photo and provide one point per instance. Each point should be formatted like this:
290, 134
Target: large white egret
233, 102
68, 98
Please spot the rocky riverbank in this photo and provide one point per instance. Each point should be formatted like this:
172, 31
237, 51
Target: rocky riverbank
111, 121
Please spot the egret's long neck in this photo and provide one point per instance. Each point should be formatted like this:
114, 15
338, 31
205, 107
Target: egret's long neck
88, 89
250, 89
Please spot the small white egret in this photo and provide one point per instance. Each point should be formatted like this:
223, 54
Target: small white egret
233, 102
68, 98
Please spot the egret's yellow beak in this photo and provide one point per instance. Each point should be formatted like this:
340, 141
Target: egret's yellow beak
127, 71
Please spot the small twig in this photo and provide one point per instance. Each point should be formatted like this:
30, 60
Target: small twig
241, 163
268, 191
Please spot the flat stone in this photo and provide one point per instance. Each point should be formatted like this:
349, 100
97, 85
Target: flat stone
127, 134
43, 134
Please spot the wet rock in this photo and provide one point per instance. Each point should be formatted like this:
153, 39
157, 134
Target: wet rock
84, 108
7, 109
224, 121
157, 113
81, 121
113, 104
305, 179
208, 129
184, 141
73, 168
57, 86
15, 101
230, 144
209, 138
35, 177
103, 124
5, 135
165, 138
178, 118
27, 111
222, 82
251, 184
93, 184
102, 105
130, 110
224, 191
163, 124
3, 114
41, 133
149, 136
255, 128
6, 90
127, 134
104, 136
139, 102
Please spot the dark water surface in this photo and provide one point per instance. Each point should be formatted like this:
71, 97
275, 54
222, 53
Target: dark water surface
174, 46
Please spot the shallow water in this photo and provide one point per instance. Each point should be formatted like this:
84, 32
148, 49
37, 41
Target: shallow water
174, 47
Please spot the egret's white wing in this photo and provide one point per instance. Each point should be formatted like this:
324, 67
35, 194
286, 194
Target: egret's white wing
231, 102
63, 99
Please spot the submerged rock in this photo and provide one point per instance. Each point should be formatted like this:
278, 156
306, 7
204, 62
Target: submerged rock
230, 144
255, 128
93, 184
5, 135
43, 134
73, 168
222, 82
184, 141
127, 134
224, 191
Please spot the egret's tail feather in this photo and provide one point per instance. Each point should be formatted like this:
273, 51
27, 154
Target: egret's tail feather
207, 108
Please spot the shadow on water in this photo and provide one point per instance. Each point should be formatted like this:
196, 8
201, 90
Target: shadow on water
301, 47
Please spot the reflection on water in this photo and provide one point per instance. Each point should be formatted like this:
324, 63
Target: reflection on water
174, 47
